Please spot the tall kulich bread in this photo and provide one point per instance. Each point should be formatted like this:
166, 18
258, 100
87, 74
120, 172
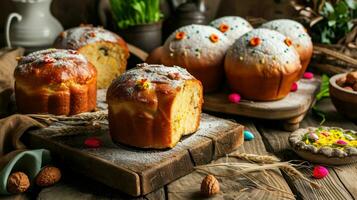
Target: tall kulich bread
298, 36
262, 65
104, 49
55, 81
152, 106
200, 49
232, 26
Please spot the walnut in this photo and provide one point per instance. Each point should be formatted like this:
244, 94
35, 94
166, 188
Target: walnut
209, 186
351, 78
18, 182
341, 81
48, 176
355, 87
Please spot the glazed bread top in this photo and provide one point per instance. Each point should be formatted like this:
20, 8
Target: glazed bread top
292, 29
266, 51
54, 66
198, 44
145, 82
232, 26
78, 37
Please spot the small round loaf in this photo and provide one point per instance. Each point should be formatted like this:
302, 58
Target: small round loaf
299, 37
232, 26
104, 49
262, 65
200, 49
54, 81
152, 106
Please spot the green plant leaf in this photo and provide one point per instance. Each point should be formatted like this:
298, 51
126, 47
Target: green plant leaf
134, 12
351, 4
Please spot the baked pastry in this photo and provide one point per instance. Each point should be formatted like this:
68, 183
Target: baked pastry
232, 26
262, 65
152, 106
55, 81
298, 36
200, 49
105, 50
325, 145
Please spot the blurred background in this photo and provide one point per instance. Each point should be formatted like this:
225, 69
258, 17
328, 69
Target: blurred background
71, 13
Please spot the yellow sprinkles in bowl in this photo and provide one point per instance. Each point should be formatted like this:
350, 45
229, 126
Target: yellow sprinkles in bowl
334, 138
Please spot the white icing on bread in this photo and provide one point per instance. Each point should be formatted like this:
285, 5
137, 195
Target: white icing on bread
197, 43
292, 29
272, 51
232, 26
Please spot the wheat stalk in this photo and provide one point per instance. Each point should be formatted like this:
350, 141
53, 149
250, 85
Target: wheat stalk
237, 169
255, 158
294, 173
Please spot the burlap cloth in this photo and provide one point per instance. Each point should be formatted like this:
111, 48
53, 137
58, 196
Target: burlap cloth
13, 153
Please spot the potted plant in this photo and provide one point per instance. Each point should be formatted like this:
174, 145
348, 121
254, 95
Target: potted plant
138, 22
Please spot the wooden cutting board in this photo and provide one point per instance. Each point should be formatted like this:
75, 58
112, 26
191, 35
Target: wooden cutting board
290, 110
131, 170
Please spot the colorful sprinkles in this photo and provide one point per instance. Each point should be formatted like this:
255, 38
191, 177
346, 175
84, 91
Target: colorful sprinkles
223, 28
143, 84
180, 35
334, 138
255, 41
214, 38
288, 42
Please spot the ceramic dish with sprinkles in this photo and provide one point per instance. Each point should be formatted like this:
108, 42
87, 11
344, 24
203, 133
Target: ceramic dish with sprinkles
325, 145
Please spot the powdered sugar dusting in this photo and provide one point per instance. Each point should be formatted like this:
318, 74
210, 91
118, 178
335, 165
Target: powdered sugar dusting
237, 26
54, 65
292, 29
138, 159
77, 37
197, 43
272, 51
154, 74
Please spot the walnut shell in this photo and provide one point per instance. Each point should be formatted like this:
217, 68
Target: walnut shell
209, 186
18, 182
48, 176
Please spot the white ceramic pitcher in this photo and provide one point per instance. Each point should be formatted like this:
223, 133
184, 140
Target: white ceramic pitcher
35, 28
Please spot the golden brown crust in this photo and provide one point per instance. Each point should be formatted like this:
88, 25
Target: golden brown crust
104, 49
59, 82
140, 105
299, 37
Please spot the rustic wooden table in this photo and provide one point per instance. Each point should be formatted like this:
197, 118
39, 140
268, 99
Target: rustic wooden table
269, 139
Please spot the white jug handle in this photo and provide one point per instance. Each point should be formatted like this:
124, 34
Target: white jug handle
7, 28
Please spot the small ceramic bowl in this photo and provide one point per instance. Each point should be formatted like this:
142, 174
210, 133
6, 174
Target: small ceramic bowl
344, 100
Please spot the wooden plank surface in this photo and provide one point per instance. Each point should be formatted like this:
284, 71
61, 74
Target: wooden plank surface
135, 171
188, 187
340, 184
295, 104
